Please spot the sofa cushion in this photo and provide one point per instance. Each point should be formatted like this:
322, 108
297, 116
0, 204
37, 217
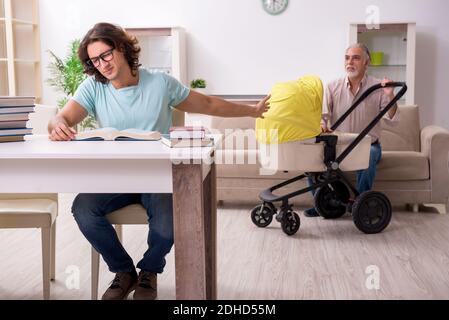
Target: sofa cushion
404, 135
232, 123
403, 166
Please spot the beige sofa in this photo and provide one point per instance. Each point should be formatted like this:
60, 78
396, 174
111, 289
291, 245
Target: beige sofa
413, 169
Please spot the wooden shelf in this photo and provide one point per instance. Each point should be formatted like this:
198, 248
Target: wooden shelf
151, 32
388, 65
26, 61
21, 58
19, 21
385, 27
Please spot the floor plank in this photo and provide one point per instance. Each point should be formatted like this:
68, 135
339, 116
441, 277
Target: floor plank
324, 260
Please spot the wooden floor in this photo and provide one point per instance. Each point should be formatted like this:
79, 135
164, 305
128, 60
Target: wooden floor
324, 260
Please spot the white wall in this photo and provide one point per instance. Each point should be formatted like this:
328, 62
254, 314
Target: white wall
239, 49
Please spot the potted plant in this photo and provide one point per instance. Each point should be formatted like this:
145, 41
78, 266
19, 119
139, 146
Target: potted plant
198, 85
66, 76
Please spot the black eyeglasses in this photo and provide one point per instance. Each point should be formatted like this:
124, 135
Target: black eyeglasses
105, 56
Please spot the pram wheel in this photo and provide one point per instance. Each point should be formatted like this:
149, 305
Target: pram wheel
262, 215
290, 223
371, 212
331, 204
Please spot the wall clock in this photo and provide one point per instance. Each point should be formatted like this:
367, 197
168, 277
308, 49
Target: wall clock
275, 7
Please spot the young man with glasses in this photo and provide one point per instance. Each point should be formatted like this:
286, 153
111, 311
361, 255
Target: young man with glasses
119, 94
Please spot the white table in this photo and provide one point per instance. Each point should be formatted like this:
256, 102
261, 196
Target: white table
42, 166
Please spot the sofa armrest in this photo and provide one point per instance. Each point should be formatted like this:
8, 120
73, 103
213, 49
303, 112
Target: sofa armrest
435, 145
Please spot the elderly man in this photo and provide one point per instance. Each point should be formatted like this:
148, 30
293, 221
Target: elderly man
342, 93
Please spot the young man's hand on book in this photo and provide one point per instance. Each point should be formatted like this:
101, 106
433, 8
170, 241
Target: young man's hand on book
62, 132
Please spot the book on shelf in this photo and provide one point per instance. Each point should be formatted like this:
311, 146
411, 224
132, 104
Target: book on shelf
12, 138
16, 101
13, 124
187, 132
207, 141
111, 134
14, 117
7, 110
15, 132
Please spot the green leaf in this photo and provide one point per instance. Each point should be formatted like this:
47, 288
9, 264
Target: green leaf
198, 83
66, 75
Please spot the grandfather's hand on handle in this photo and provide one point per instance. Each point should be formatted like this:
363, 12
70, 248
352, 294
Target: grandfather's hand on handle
389, 90
62, 132
324, 127
261, 107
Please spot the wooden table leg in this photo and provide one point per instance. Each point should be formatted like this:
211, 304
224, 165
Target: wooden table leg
210, 219
194, 209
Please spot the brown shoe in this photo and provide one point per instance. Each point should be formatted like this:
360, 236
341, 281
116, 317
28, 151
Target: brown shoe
121, 286
146, 286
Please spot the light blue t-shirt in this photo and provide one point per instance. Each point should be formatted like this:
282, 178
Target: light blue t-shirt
146, 106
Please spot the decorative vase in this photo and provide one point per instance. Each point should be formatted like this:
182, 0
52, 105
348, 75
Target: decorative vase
377, 58
200, 90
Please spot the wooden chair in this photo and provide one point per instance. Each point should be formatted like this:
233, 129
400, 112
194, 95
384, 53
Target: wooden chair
34, 211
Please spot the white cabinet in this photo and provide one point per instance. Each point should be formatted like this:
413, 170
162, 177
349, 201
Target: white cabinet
20, 73
163, 50
397, 43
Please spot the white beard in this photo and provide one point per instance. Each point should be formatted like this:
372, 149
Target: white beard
352, 74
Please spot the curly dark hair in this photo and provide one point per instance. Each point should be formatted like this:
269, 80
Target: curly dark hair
117, 38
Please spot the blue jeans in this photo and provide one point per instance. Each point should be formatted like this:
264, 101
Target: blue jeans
89, 211
365, 178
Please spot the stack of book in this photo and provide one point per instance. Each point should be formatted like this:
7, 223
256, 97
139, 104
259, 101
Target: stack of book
187, 137
14, 114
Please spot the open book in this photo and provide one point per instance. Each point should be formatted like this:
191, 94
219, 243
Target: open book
114, 134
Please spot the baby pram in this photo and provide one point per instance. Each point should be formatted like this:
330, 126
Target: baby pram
371, 210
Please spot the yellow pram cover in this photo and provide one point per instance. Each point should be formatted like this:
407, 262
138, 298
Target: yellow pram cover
295, 112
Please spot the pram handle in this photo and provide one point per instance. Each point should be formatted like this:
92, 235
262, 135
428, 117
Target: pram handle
373, 123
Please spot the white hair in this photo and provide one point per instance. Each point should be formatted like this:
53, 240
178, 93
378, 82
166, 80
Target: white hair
363, 47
